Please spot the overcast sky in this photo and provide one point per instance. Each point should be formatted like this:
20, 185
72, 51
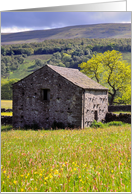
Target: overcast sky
23, 21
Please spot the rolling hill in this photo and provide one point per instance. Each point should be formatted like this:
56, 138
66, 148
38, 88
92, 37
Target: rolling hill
114, 30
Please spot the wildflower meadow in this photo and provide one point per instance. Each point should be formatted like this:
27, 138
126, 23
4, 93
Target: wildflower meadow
88, 160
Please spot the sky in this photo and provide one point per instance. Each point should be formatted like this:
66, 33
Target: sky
24, 21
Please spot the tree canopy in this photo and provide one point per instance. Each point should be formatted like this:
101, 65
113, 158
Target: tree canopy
111, 71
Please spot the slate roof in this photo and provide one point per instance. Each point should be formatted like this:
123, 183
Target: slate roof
77, 78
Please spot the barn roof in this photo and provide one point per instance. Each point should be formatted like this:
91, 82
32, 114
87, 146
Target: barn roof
77, 78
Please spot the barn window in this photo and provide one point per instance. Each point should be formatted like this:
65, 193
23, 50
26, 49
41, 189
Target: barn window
46, 94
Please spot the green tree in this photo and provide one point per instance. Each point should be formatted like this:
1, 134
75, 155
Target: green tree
110, 70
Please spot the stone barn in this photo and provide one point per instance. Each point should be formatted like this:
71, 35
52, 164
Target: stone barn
58, 95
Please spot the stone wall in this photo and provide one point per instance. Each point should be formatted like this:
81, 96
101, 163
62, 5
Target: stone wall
119, 108
126, 118
6, 110
6, 120
63, 106
96, 106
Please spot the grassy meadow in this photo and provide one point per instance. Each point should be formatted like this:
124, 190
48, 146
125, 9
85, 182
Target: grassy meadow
89, 160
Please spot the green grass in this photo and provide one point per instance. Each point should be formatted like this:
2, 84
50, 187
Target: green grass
89, 160
124, 112
7, 104
42, 57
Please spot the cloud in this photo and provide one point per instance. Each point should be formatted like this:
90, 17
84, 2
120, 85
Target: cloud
14, 29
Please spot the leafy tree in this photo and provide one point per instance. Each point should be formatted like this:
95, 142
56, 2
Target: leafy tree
3, 50
111, 71
66, 57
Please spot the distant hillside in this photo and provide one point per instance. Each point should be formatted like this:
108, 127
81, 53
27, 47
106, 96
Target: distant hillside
83, 31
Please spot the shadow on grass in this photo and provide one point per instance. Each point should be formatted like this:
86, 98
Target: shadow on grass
95, 124
6, 127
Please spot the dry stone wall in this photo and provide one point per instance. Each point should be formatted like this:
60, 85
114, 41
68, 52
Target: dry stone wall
126, 118
119, 108
6, 120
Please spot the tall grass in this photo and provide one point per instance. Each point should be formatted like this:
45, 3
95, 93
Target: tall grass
90, 160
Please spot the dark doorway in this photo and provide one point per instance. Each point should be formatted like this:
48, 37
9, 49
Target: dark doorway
95, 115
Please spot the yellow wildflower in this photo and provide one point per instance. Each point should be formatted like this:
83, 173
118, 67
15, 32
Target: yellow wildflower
51, 176
75, 169
35, 189
56, 171
15, 182
46, 178
4, 171
22, 190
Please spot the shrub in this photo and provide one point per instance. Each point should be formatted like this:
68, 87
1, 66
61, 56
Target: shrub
115, 123
96, 124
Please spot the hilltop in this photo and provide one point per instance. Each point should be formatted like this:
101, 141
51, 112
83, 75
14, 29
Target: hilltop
113, 30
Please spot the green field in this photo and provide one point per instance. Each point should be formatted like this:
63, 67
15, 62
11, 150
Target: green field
89, 160
6, 104
6, 114
127, 56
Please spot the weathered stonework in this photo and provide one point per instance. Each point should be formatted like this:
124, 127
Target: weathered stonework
95, 106
46, 96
